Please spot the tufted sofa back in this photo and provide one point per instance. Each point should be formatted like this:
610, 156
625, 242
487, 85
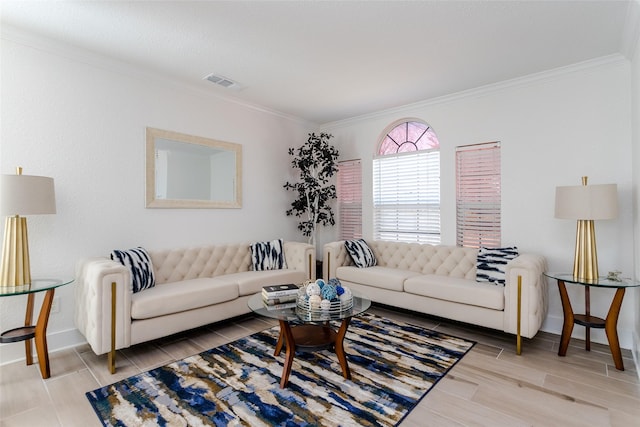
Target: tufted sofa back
173, 265
423, 258
427, 259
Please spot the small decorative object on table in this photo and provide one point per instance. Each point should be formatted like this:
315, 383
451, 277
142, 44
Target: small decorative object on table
319, 296
280, 294
614, 276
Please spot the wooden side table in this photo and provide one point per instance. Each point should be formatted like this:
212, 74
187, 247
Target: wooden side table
609, 324
30, 332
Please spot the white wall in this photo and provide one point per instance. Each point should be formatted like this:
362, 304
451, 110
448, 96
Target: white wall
554, 128
635, 114
81, 120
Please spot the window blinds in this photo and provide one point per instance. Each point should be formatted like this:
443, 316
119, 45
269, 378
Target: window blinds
478, 195
349, 190
406, 197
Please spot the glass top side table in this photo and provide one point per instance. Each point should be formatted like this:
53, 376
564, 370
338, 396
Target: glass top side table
609, 324
29, 332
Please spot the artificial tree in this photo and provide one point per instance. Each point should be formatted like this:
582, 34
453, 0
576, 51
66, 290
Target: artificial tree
317, 162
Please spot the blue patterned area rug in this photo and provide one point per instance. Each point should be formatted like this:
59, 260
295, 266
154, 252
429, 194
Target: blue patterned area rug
393, 366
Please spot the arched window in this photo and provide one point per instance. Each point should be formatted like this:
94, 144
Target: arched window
406, 184
408, 136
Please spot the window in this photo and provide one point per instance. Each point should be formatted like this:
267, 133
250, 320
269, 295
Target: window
350, 199
406, 185
478, 195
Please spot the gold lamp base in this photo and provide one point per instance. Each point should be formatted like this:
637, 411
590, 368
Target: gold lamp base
585, 261
15, 269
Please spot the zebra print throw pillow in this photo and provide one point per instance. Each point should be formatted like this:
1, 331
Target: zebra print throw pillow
268, 255
139, 263
492, 262
360, 253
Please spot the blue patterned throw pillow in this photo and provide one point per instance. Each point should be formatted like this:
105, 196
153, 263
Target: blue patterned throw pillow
360, 253
139, 263
268, 255
492, 262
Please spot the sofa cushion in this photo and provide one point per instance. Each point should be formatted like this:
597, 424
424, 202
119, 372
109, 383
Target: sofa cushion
360, 253
458, 290
175, 297
492, 262
251, 282
140, 266
379, 277
268, 255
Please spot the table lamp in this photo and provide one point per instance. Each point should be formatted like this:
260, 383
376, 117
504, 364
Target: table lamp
586, 203
21, 195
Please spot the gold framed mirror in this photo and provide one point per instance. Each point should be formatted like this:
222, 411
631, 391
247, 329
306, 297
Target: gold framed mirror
186, 171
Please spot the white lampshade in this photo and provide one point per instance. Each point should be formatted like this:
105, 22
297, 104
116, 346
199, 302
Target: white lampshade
26, 195
587, 202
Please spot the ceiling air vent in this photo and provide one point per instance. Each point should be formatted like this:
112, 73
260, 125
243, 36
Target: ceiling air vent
221, 81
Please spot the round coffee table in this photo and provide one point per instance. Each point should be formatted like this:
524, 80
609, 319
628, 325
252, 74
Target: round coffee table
303, 330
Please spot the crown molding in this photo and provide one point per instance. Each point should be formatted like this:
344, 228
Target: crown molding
409, 109
93, 59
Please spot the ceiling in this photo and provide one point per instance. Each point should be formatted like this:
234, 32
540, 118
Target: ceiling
325, 61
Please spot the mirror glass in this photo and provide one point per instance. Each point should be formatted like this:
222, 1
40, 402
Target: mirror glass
185, 171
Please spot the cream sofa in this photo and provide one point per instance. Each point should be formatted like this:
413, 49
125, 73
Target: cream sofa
194, 287
441, 281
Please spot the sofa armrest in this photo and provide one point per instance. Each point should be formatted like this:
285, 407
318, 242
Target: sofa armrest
534, 300
334, 255
93, 303
301, 256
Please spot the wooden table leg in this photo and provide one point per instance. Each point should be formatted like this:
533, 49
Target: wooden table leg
587, 312
41, 334
611, 328
339, 345
291, 351
28, 321
280, 343
567, 326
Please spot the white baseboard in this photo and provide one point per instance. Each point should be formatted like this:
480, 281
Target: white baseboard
14, 352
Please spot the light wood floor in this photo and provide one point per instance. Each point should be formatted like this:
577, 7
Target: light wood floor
491, 386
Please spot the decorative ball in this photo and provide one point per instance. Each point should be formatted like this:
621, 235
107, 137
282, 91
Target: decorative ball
314, 301
334, 281
313, 289
328, 292
320, 283
325, 304
339, 290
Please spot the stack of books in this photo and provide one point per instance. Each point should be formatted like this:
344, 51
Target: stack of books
277, 295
